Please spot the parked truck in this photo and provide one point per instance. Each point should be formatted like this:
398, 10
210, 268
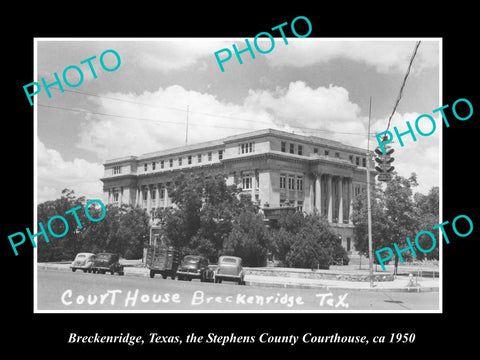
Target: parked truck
163, 260
159, 256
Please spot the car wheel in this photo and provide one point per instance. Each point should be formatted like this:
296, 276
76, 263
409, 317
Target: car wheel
73, 269
121, 273
152, 274
164, 276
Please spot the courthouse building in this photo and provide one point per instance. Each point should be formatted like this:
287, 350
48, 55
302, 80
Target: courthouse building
277, 169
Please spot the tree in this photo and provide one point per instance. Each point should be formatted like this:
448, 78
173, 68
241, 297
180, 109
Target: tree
66, 247
393, 217
204, 212
314, 245
248, 239
380, 223
401, 213
305, 241
123, 230
427, 211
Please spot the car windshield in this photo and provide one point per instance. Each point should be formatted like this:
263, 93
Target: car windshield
229, 260
81, 257
104, 256
191, 259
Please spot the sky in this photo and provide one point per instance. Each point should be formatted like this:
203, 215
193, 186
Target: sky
310, 86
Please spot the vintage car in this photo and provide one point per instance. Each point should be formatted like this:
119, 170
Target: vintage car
107, 262
83, 261
195, 267
229, 268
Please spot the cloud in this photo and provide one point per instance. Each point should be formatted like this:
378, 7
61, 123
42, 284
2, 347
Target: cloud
174, 54
385, 56
55, 174
157, 120
324, 111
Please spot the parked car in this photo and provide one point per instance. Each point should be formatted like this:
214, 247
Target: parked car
229, 268
195, 267
107, 262
83, 261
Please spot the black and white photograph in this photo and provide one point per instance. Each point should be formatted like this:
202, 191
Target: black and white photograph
239, 184
213, 182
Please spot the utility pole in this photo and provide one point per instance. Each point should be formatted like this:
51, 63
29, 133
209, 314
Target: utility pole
369, 209
186, 129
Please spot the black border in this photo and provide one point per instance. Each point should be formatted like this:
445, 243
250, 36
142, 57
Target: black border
46, 334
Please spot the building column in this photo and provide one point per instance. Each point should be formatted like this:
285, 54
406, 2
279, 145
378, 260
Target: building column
318, 193
340, 200
149, 199
253, 179
350, 200
165, 197
157, 195
138, 195
312, 196
330, 199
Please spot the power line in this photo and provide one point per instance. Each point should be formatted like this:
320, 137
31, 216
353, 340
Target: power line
403, 84
210, 115
131, 117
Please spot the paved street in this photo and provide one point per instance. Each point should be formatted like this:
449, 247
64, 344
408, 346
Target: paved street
62, 290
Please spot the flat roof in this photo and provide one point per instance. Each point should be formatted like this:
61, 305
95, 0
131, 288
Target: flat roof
233, 138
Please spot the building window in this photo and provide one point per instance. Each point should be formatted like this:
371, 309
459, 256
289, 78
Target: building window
292, 148
300, 183
357, 161
153, 194
153, 165
283, 181
145, 167
247, 148
162, 193
326, 152
199, 158
209, 156
284, 146
300, 206
115, 195
364, 162
350, 157
145, 194
315, 150
291, 182
337, 155
220, 154
300, 150
246, 182
189, 159
162, 164
170, 162
179, 161
117, 170
349, 243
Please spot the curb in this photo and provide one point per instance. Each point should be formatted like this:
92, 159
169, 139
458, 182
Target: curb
142, 272
334, 287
